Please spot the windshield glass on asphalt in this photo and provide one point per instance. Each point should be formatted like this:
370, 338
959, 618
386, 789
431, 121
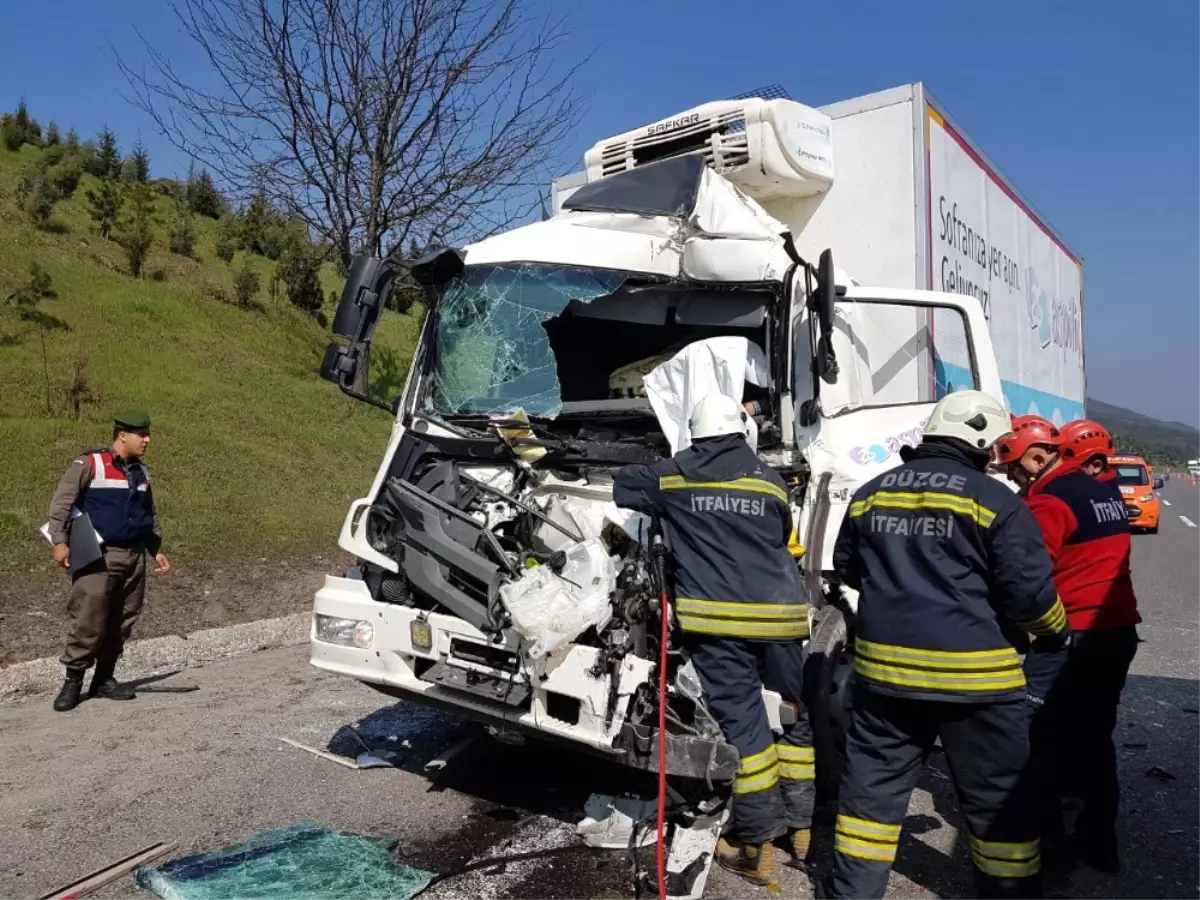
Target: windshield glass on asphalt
1131, 474
492, 354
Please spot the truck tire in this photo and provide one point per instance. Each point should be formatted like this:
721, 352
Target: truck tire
829, 671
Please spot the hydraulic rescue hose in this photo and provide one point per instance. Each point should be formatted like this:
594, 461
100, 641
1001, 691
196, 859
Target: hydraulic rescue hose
658, 551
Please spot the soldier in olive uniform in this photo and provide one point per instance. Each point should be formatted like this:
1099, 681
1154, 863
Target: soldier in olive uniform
113, 488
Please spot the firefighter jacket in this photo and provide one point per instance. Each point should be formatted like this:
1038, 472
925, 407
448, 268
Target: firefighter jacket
1086, 530
941, 555
727, 522
116, 495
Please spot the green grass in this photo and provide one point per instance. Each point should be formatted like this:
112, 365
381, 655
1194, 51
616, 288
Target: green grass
252, 453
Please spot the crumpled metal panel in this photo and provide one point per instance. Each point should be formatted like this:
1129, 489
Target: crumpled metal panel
301, 862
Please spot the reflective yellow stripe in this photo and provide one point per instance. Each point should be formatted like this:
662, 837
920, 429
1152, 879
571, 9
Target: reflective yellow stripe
865, 839
792, 753
781, 621
865, 828
757, 772
925, 500
798, 771
756, 762
729, 610
1000, 659
753, 485
1002, 859
945, 670
1050, 623
980, 682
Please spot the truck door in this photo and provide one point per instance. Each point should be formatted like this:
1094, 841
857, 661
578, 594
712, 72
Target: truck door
898, 353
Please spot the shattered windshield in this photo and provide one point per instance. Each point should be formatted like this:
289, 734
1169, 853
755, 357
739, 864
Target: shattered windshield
492, 353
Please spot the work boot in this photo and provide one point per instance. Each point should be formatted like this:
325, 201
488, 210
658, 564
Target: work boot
68, 694
106, 686
800, 840
754, 862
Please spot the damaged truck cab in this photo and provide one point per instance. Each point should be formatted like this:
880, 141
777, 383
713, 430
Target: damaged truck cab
495, 576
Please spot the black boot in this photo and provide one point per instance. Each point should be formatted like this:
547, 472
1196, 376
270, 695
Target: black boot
104, 685
68, 694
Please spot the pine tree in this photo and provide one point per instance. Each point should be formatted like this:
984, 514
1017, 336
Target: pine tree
106, 162
72, 141
53, 138
228, 237
182, 233
203, 196
104, 206
137, 168
299, 269
137, 235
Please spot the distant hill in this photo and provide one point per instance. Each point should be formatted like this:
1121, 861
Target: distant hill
1164, 443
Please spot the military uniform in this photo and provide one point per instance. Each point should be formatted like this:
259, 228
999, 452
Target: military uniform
936, 550
740, 603
106, 596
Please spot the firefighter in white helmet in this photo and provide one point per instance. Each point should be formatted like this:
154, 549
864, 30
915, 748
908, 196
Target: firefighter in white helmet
741, 606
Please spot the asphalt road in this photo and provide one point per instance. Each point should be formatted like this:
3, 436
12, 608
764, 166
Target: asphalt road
207, 769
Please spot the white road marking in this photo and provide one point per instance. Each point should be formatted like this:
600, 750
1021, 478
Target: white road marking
1186, 521
1165, 502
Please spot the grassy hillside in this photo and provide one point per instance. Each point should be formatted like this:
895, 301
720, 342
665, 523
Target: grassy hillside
252, 453
1165, 443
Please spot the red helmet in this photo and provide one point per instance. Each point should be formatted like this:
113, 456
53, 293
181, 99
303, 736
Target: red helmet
1028, 431
1082, 439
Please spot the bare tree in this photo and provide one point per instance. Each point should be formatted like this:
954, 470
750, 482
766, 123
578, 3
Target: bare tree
379, 122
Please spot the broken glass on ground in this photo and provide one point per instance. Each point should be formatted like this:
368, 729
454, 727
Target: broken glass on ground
493, 355
301, 862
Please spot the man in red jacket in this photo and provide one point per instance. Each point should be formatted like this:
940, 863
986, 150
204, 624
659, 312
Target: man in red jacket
1089, 445
1086, 530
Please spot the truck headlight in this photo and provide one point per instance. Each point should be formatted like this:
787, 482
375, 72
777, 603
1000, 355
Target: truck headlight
345, 632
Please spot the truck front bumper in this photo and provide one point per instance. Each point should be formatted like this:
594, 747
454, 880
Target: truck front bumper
444, 662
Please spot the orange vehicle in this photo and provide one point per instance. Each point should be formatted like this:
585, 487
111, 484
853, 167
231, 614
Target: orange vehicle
1138, 486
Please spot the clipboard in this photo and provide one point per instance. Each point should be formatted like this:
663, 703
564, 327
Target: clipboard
86, 545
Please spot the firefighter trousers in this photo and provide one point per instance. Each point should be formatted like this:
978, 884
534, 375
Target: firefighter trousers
1072, 735
987, 749
774, 788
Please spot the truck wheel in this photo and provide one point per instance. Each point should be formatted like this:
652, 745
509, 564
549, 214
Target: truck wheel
830, 670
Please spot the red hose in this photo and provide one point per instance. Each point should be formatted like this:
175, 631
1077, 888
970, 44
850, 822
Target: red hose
660, 852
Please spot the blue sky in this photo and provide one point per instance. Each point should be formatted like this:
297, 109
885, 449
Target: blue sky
1091, 109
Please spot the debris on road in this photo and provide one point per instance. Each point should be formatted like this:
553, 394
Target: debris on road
443, 759
608, 821
691, 855
97, 879
1159, 773
304, 860
168, 688
363, 761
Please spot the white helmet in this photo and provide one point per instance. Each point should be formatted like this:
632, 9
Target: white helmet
973, 417
716, 415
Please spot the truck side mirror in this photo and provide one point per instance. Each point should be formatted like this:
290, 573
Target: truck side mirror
825, 297
361, 303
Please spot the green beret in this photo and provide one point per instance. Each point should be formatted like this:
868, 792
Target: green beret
134, 420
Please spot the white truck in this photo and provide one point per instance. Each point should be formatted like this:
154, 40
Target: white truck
495, 577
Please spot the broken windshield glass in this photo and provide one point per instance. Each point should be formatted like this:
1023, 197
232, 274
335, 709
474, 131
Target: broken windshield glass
492, 354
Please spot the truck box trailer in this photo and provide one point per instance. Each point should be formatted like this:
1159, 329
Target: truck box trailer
918, 205
496, 577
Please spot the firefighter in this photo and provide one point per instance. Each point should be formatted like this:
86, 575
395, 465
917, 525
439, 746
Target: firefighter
938, 550
1083, 522
1089, 445
740, 604
113, 487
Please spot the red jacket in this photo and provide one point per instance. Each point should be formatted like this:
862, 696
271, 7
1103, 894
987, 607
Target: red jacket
1086, 530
